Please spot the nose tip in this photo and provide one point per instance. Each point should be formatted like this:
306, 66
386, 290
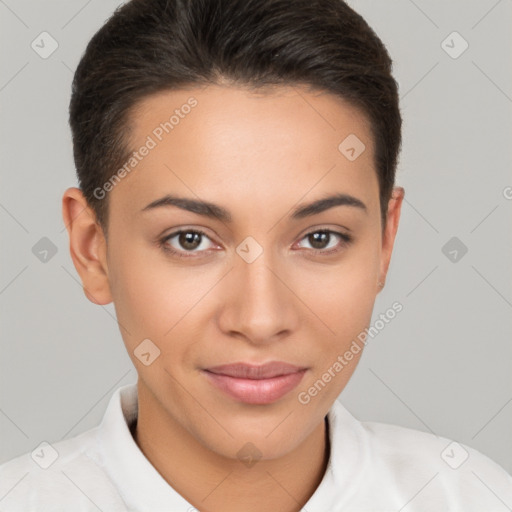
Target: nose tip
260, 306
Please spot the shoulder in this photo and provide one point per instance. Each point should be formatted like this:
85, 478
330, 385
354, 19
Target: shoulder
65, 473
445, 471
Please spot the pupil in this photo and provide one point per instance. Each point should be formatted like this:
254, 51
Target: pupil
318, 240
189, 240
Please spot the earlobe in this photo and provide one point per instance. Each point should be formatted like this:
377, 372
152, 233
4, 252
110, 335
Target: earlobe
87, 246
388, 239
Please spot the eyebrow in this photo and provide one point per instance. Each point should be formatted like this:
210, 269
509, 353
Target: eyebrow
217, 212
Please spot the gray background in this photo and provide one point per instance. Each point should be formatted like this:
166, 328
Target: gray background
443, 365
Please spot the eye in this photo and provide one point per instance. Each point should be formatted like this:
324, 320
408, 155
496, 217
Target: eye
326, 241
192, 241
185, 241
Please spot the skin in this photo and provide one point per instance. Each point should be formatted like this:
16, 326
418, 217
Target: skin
258, 156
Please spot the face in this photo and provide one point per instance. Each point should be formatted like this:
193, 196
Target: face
257, 278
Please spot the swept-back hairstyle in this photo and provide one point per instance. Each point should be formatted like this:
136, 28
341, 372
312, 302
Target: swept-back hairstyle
148, 46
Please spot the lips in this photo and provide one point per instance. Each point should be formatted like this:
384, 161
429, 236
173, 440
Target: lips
249, 371
255, 384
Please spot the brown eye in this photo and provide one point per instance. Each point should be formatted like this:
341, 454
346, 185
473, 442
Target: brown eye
319, 239
189, 240
186, 241
326, 241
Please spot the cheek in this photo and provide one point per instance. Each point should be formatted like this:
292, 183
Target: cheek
343, 298
155, 299
344, 295
345, 305
142, 289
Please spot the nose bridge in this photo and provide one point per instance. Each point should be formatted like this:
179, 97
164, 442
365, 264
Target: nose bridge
261, 306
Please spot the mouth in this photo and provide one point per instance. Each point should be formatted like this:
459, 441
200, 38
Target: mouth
255, 384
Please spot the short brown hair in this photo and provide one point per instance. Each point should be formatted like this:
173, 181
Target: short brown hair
148, 46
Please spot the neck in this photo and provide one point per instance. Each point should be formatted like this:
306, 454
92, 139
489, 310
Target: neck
211, 482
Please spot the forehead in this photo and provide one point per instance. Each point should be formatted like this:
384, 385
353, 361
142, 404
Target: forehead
237, 144
232, 115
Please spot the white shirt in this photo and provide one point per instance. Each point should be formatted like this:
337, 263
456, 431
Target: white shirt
372, 467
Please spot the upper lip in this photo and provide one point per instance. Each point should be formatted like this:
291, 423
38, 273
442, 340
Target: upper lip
251, 371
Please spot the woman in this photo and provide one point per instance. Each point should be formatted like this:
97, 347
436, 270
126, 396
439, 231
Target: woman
238, 205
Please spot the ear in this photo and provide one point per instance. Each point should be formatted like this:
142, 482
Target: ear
388, 238
87, 246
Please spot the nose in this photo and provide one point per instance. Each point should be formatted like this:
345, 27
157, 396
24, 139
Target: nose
261, 307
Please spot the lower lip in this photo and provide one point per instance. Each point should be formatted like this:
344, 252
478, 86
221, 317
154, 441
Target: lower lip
253, 391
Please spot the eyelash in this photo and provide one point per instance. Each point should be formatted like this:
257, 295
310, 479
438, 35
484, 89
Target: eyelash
345, 241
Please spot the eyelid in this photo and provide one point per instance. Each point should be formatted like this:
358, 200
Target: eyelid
342, 230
